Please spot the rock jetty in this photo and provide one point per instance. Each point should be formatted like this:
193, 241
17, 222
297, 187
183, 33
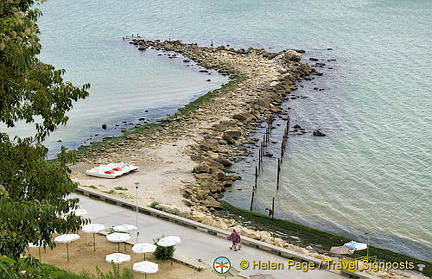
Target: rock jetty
260, 82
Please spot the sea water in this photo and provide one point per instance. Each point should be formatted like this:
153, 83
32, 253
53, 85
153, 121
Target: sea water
371, 173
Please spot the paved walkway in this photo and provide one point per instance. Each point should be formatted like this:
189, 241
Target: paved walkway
196, 244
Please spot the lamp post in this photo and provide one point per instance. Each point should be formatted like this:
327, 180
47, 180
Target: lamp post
136, 209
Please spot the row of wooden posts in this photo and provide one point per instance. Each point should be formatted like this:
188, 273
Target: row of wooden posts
258, 169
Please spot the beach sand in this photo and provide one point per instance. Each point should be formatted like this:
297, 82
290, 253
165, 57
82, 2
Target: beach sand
82, 257
163, 171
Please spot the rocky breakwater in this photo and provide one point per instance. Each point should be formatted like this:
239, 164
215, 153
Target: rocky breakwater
219, 129
222, 123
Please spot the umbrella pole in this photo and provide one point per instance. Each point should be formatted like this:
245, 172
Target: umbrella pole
39, 254
118, 247
94, 243
67, 250
144, 256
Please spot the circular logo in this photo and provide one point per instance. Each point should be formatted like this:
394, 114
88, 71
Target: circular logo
221, 265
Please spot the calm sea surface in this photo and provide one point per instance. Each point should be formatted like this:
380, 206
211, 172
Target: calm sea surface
371, 173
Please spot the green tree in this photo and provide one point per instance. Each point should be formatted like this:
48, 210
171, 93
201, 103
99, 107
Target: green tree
33, 192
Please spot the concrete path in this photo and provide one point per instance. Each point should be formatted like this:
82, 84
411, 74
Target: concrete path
198, 245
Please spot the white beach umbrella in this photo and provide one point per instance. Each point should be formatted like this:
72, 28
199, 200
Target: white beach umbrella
118, 237
142, 248
145, 267
169, 241
356, 245
93, 228
124, 228
117, 258
66, 238
79, 212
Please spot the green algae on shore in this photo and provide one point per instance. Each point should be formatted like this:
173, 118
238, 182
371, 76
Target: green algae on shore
306, 236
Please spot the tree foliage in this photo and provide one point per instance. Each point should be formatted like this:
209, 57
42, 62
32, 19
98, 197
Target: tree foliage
29, 88
33, 192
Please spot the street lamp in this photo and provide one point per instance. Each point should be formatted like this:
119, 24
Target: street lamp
136, 209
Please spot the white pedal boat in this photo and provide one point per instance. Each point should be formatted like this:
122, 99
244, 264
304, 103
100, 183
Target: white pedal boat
111, 170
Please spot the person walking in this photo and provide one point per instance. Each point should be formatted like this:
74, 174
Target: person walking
234, 236
238, 244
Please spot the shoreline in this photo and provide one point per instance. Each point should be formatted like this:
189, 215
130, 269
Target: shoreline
216, 131
186, 157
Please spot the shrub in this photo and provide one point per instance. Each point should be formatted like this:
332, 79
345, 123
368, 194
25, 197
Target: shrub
163, 253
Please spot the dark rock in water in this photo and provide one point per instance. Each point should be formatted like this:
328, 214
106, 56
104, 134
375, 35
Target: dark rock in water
104, 126
313, 59
268, 154
297, 126
123, 130
318, 133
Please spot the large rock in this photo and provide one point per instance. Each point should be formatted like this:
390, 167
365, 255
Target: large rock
318, 133
224, 161
201, 168
234, 134
244, 117
208, 220
279, 242
292, 55
264, 234
210, 202
220, 224
228, 138
250, 233
266, 239
198, 216
206, 146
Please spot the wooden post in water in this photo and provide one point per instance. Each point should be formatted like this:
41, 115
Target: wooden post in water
278, 174
253, 194
254, 188
256, 178
273, 209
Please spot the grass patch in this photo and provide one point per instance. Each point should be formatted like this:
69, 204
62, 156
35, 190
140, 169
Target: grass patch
119, 188
111, 192
154, 204
192, 106
309, 236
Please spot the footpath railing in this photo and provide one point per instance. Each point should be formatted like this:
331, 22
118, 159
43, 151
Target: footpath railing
289, 254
